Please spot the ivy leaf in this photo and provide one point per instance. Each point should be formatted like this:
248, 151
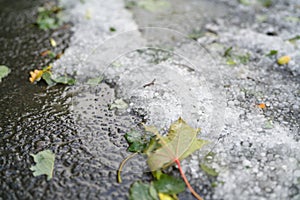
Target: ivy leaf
137, 141
142, 191
169, 185
4, 71
44, 163
180, 142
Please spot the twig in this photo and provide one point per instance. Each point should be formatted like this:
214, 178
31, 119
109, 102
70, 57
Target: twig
122, 164
149, 84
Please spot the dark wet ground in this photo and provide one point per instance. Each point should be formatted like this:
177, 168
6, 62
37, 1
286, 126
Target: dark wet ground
35, 117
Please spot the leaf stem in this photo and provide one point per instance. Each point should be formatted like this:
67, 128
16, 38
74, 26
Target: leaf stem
186, 181
122, 164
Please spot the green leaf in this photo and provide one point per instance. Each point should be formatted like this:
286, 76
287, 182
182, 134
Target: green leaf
44, 163
210, 171
64, 80
94, 81
294, 39
4, 71
272, 53
112, 29
142, 191
180, 142
228, 52
266, 3
137, 142
47, 78
49, 18
153, 5
169, 185
119, 104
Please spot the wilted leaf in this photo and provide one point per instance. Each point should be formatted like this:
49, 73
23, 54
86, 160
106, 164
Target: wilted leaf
169, 185
283, 60
119, 104
180, 142
4, 71
35, 75
142, 191
210, 171
44, 163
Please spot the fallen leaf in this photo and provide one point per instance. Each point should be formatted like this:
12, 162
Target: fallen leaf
94, 81
53, 42
4, 71
283, 60
180, 142
44, 164
261, 105
119, 104
47, 78
137, 141
64, 80
163, 196
49, 17
210, 171
272, 53
142, 191
35, 75
294, 39
169, 185
153, 5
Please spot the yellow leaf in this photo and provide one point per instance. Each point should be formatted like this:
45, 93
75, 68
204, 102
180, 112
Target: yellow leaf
283, 60
53, 42
163, 196
35, 75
